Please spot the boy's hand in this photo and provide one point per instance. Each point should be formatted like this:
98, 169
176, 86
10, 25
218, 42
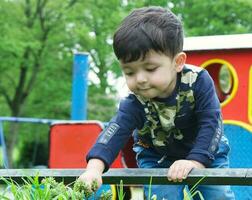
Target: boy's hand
180, 169
90, 176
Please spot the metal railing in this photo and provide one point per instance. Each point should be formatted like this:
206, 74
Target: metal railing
236, 176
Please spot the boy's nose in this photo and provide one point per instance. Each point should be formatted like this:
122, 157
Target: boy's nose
141, 78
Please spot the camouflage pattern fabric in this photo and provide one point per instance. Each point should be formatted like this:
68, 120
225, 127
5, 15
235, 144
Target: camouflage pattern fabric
160, 127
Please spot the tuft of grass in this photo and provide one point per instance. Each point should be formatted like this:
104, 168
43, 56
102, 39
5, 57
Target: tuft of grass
153, 197
187, 195
192, 192
120, 192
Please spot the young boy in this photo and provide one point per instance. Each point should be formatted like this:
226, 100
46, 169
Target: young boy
173, 109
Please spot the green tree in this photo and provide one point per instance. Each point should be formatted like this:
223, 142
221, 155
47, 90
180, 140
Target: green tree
216, 17
28, 28
94, 34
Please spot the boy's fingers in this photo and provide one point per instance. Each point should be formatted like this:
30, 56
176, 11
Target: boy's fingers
172, 173
186, 172
180, 173
87, 180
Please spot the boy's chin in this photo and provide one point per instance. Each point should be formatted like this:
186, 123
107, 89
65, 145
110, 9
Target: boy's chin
147, 96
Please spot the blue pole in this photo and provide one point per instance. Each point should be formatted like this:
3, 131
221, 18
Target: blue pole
80, 87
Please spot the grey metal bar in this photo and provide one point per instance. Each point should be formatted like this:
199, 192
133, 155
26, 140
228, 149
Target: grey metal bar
2, 143
241, 176
28, 120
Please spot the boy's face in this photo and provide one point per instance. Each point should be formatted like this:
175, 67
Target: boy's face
155, 76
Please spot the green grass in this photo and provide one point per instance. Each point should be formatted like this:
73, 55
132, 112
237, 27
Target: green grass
49, 189
187, 195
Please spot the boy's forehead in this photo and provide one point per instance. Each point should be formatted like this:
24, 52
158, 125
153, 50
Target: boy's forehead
139, 61
150, 57
136, 63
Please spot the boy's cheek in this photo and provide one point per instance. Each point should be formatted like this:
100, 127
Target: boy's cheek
130, 85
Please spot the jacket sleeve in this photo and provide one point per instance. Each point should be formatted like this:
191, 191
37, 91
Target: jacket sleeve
113, 138
209, 119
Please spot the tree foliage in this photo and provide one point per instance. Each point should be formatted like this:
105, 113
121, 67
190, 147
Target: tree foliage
214, 17
29, 50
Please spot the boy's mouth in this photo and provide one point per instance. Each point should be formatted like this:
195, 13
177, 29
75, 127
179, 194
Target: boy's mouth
143, 89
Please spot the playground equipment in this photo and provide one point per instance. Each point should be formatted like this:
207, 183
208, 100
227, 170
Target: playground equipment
80, 86
70, 152
232, 55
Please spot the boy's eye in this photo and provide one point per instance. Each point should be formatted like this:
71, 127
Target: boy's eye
128, 73
151, 69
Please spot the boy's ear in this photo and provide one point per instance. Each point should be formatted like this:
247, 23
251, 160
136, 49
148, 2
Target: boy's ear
180, 60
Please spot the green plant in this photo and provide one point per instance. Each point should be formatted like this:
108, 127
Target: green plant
49, 189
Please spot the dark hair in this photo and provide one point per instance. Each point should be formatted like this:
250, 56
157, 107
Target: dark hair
145, 29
